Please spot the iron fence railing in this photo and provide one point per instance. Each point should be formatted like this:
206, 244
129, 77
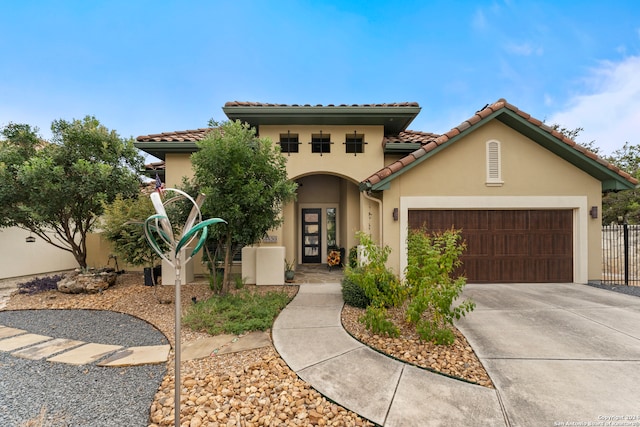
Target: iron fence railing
621, 254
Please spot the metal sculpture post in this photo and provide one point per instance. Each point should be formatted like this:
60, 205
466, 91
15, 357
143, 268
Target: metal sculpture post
160, 235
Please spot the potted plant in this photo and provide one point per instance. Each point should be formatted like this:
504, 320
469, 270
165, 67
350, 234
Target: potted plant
289, 270
122, 225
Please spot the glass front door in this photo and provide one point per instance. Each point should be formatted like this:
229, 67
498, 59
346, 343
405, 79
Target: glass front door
311, 235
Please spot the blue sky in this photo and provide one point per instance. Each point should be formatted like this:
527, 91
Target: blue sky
145, 67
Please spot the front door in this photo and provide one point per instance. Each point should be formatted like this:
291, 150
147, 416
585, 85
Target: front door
311, 235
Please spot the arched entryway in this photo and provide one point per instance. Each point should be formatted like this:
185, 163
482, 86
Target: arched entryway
327, 211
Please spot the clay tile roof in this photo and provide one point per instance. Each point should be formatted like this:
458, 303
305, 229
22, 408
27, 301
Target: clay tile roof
177, 136
410, 136
483, 113
264, 104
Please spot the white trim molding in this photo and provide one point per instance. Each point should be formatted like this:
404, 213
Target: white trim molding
576, 203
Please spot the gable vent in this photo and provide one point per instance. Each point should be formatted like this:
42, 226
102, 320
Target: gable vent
494, 175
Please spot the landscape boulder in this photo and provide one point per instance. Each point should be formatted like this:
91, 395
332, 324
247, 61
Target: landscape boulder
90, 282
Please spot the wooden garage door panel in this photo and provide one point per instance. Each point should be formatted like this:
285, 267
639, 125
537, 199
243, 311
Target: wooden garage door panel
507, 246
551, 220
547, 244
516, 268
510, 220
445, 219
479, 244
510, 245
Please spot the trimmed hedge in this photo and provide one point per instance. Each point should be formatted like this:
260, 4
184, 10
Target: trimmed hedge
353, 294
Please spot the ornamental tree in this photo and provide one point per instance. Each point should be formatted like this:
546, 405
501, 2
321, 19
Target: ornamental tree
245, 180
57, 189
122, 224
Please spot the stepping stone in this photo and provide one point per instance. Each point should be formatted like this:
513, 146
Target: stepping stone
6, 331
46, 349
248, 342
144, 355
85, 354
19, 341
204, 347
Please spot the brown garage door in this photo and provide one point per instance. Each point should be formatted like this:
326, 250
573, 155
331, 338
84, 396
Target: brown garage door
508, 246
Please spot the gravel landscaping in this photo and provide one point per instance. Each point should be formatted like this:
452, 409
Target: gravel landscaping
248, 388
88, 395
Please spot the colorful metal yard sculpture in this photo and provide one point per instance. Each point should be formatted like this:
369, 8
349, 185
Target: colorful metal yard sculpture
171, 248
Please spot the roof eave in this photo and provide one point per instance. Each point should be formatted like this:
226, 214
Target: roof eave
160, 148
610, 179
394, 119
401, 148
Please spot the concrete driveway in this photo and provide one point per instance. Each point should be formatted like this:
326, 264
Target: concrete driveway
559, 354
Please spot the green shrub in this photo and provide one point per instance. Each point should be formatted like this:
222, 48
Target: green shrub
353, 257
215, 282
378, 282
432, 289
353, 294
430, 331
380, 286
375, 319
239, 282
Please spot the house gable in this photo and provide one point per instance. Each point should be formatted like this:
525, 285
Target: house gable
611, 177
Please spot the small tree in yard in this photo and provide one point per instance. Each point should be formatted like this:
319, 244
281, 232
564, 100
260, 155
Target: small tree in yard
431, 262
245, 180
123, 226
57, 190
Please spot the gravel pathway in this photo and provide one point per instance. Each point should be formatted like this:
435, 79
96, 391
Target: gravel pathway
57, 394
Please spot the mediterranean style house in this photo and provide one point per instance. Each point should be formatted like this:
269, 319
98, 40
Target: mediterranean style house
527, 199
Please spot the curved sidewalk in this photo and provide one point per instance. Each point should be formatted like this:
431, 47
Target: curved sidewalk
309, 336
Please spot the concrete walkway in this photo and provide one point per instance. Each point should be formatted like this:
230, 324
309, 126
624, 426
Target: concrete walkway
558, 354
309, 336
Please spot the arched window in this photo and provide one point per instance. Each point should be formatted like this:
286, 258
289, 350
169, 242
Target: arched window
494, 172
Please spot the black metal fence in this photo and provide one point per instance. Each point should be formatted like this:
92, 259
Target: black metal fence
621, 254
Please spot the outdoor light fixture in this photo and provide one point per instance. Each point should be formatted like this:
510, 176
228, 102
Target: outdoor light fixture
395, 214
593, 212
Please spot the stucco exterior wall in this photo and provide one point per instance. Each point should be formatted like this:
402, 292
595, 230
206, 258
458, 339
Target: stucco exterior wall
177, 166
98, 251
532, 175
355, 167
20, 258
328, 180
